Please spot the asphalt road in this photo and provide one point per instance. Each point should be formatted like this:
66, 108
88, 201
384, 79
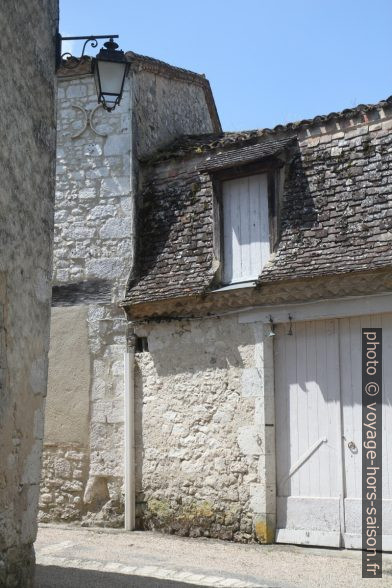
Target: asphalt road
59, 577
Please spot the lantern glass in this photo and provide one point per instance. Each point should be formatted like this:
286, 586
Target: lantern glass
110, 68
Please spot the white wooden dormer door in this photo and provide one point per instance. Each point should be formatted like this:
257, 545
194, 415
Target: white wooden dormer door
246, 243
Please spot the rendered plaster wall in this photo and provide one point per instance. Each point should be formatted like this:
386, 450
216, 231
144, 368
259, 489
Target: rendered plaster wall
27, 151
204, 455
68, 413
66, 447
83, 449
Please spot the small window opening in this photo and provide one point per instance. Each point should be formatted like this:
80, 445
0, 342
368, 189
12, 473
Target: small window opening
141, 345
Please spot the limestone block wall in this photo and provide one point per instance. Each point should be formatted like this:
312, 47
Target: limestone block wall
97, 180
92, 257
164, 109
204, 395
93, 228
27, 154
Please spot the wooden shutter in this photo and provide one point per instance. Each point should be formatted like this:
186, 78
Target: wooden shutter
246, 243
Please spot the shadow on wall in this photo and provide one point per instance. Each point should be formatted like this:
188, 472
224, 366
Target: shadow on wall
299, 209
139, 447
57, 577
191, 347
171, 222
318, 400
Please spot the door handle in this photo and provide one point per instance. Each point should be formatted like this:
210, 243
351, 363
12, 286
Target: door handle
351, 445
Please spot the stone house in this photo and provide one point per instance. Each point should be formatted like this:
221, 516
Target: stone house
261, 257
226, 400
96, 203
27, 156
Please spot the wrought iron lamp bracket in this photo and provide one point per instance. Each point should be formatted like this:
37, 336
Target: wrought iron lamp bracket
73, 61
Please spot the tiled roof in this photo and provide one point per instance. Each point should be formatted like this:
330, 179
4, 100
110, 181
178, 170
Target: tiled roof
246, 153
335, 212
189, 144
142, 61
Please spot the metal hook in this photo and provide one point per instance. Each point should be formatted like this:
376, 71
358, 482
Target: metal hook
291, 325
272, 328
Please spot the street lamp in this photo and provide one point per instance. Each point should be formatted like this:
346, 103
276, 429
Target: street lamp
109, 66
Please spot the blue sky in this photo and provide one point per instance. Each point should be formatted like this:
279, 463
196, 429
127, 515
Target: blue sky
268, 62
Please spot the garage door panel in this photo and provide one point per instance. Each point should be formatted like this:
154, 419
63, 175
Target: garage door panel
307, 427
351, 398
315, 402
306, 409
353, 523
321, 513
308, 537
332, 478
285, 355
301, 427
318, 392
353, 513
323, 522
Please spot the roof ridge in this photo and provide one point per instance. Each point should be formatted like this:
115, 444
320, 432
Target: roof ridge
158, 63
82, 65
320, 118
209, 141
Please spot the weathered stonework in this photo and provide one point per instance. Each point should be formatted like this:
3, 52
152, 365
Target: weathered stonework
93, 229
205, 390
27, 153
336, 215
97, 181
92, 256
176, 249
201, 441
168, 105
279, 292
64, 471
136, 216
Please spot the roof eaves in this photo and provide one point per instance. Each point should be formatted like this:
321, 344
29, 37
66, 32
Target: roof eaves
198, 144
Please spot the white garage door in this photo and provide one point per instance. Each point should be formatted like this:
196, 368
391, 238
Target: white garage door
318, 431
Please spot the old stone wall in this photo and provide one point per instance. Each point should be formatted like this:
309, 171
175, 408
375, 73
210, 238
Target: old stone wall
92, 256
97, 169
64, 471
202, 391
27, 153
93, 228
166, 107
